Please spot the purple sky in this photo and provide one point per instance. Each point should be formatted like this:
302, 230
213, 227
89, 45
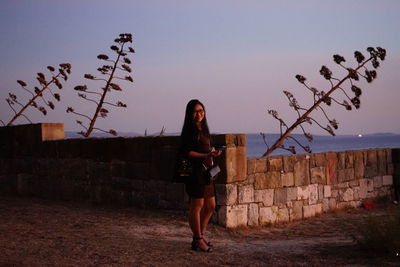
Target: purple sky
235, 56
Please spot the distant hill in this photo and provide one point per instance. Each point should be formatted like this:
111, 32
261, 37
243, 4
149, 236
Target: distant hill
70, 134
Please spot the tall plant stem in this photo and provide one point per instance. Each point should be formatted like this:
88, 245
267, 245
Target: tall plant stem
32, 100
96, 113
303, 117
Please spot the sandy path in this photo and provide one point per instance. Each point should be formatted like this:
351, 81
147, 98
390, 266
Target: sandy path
41, 232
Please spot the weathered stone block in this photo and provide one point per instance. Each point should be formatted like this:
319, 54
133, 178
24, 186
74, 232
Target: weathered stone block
363, 188
341, 160
268, 180
389, 155
356, 193
382, 162
355, 204
334, 193
318, 175
282, 215
331, 176
343, 205
349, 160
303, 192
292, 193
288, 163
275, 164
318, 160
250, 179
226, 194
354, 183
345, 175
309, 211
265, 196
371, 158
342, 185
327, 191
268, 215
377, 181
296, 213
301, 172
246, 194
387, 180
287, 179
359, 164
251, 166
346, 194
370, 185
261, 165
332, 203
366, 187
320, 192
253, 215
52, 131
233, 216
234, 165
280, 196
370, 171
372, 194
371, 166
260, 181
390, 169
325, 205
313, 198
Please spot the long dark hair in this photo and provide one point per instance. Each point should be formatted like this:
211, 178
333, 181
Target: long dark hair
189, 129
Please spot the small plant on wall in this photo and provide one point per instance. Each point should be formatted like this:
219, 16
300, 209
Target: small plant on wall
38, 93
350, 92
114, 69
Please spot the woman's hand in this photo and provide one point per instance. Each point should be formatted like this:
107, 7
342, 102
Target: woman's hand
215, 153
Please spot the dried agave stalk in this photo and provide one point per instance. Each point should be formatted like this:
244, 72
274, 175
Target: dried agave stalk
321, 97
12, 101
121, 63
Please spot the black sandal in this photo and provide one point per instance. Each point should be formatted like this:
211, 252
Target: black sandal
195, 245
207, 243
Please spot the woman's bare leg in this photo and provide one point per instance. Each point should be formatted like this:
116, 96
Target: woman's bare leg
196, 206
206, 213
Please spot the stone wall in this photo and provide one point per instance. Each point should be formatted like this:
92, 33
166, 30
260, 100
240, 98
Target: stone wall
287, 188
36, 160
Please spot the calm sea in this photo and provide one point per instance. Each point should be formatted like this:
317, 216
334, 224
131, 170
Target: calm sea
256, 146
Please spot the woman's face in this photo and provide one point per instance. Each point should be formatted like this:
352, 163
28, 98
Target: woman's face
198, 113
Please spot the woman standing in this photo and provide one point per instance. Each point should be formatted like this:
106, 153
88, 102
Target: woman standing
195, 138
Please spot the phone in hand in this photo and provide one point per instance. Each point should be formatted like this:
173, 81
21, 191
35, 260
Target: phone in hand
220, 148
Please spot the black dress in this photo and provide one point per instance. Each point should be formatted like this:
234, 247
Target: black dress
197, 185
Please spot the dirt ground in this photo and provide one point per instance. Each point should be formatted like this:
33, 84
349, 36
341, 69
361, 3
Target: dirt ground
35, 232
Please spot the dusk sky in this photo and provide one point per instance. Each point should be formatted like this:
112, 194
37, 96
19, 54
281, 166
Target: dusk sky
234, 56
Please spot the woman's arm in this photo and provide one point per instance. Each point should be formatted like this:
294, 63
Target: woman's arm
212, 153
194, 154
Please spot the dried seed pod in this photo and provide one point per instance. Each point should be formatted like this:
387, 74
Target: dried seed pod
22, 83
338, 59
300, 78
102, 57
